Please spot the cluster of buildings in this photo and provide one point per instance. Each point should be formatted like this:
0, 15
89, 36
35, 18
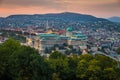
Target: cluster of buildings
105, 39
48, 40
2, 39
86, 38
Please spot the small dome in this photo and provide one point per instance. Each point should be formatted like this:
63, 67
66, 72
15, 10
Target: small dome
69, 29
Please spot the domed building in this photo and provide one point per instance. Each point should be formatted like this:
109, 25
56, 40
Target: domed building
69, 31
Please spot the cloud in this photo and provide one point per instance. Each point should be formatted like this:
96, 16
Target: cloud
81, 6
118, 2
110, 6
57, 4
1, 2
35, 3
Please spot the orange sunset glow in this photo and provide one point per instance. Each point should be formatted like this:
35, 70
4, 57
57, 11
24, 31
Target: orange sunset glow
102, 8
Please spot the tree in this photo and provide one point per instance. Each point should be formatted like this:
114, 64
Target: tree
9, 46
60, 67
71, 46
118, 50
47, 50
19, 62
22, 63
27, 64
94, 71
110, 74
56, 55
86, 57
6, 50
72, 62
65, 44
55, 76
81, 72
105, 62
67, 52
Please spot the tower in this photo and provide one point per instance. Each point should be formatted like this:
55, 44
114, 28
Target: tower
69, 31
47, 25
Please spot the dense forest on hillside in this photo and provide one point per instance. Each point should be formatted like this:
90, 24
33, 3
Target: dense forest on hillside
18, 62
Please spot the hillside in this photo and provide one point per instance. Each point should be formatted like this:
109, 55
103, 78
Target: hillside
58, 20
114, 19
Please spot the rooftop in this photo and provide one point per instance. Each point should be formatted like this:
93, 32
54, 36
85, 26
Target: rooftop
48, 35
79, 35
69, 29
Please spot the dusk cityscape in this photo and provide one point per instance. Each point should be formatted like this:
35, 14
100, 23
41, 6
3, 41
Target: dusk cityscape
59, 40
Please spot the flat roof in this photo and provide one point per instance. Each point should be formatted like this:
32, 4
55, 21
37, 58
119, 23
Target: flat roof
79, 35
48, 35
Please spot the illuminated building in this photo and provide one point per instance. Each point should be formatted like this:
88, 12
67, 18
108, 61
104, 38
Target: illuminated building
48, 40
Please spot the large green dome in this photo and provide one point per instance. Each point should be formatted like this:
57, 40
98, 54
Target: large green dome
69, 29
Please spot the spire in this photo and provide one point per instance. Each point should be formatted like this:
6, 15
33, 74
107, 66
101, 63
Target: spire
47, 25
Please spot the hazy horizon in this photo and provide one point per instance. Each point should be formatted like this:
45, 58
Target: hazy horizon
102, 8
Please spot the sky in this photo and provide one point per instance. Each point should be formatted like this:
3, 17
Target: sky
98, 8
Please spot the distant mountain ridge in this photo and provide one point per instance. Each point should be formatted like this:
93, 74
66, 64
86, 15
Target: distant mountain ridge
57, 20
65, 16
114, 19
